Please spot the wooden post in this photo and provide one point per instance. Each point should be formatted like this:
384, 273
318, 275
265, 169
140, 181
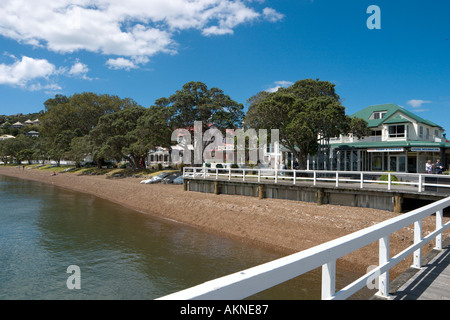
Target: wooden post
384, 254
417, 262
398, 199
185, 185
320, 196
328, 279
261, 191
439, 219
216, 187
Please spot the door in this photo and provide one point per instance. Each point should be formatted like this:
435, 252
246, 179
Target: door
397, 163
393, 163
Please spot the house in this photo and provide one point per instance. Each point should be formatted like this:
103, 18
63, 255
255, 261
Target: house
159, 155
17, 125
399, 141
6, 136
32, 134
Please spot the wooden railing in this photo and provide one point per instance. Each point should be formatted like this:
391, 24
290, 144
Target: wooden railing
251, 281
362, 178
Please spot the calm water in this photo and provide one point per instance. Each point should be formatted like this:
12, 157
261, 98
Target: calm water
122, 254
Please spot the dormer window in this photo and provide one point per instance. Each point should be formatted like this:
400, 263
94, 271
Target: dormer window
378, 114
397, 131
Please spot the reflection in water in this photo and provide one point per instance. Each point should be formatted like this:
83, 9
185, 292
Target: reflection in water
122, 254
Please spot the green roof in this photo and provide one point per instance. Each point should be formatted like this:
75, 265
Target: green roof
397, 119
390, 109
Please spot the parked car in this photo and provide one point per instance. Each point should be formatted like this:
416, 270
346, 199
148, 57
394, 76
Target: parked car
178, 180
170, 178
156, 179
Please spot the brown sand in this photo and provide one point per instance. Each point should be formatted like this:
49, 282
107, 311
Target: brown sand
285, 226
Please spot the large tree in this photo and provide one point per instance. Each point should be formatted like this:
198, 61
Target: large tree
79, 111
211, 106
114, 134
306, 114
66, 118
18, 149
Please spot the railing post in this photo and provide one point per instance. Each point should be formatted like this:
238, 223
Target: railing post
328, 280
417, 238
243, 175
439, 220
420, 183
259, 175
337, 178
383, 281
295, 176
315, 177
217, 173
276, 176
389, 181
229, 173
362, 180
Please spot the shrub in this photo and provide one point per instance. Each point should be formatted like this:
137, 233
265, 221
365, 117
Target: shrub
385, 177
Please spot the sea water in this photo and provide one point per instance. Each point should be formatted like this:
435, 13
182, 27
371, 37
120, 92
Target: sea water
119, 253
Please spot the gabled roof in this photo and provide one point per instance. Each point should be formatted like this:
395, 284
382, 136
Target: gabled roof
390, 110
396, 119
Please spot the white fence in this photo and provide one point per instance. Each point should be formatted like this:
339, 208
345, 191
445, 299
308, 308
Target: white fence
388, 179
251, 281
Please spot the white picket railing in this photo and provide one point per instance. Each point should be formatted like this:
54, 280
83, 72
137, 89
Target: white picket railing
362, 178
251, 281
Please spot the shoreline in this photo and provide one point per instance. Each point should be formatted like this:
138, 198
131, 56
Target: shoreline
280, 225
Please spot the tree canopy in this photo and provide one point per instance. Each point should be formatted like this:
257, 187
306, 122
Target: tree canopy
111, 128
304, 113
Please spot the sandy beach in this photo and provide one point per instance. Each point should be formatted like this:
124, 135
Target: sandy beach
281, 225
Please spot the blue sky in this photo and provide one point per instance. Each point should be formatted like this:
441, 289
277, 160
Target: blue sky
145, 50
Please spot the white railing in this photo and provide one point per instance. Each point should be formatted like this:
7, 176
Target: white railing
389, 179
251, 281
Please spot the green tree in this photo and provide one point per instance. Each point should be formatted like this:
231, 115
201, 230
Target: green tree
68, 117
80, 148
115, 137
4, 152
60, 144
196, 102
18, 149
41, 149
306, 114
80, 111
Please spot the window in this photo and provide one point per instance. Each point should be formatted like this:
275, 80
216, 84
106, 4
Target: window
428, 134
397, 131
375, 133
420, 132
379, 114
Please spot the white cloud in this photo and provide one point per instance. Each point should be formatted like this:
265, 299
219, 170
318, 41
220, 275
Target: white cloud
121, 63
272, 15
23, 72
38, 74
278, 85
417, 103
127, 29
80, 70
